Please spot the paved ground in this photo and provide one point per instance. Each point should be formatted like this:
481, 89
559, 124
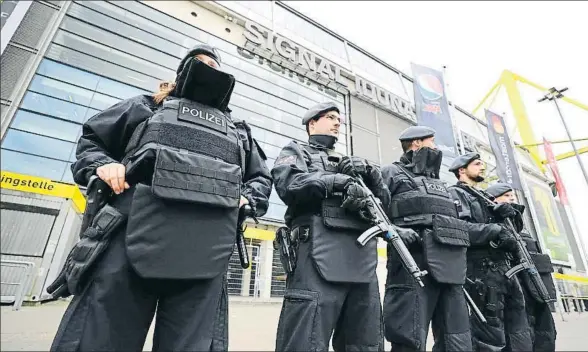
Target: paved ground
252, 327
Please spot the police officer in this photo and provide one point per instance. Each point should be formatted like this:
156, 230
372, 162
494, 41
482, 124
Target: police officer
180, 168
543, 332
500, 299
437, 241
333, 287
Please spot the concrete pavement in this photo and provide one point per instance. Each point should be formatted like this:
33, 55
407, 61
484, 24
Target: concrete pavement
252, 327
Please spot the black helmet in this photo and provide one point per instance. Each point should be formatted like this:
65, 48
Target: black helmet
200, 49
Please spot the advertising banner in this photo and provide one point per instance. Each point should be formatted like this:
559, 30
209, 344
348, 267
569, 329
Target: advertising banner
432, 109
561, 190
551, 227
502, 149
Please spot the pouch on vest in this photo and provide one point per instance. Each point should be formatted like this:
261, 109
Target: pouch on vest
338, 258
194, 178
335, 217
178, 240
445, 247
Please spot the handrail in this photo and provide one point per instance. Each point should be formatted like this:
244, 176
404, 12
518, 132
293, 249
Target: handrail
28, 266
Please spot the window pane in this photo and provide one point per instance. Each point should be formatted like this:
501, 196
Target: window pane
66, 73
61, 90
164, 20
101, 101
363, 114
47, 126
117, 89
67, 175
105, 53
118, 42
31, 165
98, 65
39, 145
365, 145
168, 41
51, 106
380, 74
390, 129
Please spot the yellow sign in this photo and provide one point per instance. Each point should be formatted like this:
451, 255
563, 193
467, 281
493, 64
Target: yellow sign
38, 185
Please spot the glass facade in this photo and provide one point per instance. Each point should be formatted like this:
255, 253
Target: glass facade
104, 52
107, 51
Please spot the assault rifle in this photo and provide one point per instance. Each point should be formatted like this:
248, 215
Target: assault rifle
245, 212
384, 228
525, 259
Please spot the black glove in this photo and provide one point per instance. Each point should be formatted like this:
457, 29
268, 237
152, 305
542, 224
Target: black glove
356, 199
408, 236
504, 211
506, 240
374, 177
352, 166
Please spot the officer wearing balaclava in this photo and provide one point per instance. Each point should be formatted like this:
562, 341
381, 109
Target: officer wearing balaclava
426, 214
333, 288
541, 323
493, 247
179, 167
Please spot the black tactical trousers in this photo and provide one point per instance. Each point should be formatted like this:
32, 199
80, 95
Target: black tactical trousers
541, 322
409, 309
315, 309
503, 305
115, 311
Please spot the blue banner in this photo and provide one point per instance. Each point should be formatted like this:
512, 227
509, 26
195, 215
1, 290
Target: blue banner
502, 149
432, 109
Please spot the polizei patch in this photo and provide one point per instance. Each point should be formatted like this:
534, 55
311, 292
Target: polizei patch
202, 116
435, 187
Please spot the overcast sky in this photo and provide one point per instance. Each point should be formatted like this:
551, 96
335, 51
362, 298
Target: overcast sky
544, 42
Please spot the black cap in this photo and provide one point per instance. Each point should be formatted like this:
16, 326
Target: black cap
416, 132
463, 161
318, 110
200, 49
498, 189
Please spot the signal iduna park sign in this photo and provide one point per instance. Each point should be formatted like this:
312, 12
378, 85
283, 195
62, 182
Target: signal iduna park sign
300, 60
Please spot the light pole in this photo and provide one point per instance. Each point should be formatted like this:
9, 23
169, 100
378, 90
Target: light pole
553, 94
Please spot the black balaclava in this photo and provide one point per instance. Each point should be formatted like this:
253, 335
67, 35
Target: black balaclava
201, 83
322, 141
424, 161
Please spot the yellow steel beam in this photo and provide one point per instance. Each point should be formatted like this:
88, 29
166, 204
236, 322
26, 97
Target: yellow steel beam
520, 115
552, 142
487, 95
543, 89
568, 154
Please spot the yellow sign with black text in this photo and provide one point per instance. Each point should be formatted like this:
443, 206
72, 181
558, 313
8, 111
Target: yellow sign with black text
39, 185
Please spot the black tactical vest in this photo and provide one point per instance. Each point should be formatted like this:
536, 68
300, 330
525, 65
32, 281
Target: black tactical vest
425, 205
190, 163
334, 231
419, 199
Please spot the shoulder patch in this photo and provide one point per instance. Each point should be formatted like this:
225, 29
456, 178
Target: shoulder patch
290, 159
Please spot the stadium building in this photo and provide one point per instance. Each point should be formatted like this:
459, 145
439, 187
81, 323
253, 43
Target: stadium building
64, 61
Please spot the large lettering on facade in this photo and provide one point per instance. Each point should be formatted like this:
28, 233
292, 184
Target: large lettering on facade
306, 59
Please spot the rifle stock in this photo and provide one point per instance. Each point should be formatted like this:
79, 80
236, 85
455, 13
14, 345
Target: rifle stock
383, 228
